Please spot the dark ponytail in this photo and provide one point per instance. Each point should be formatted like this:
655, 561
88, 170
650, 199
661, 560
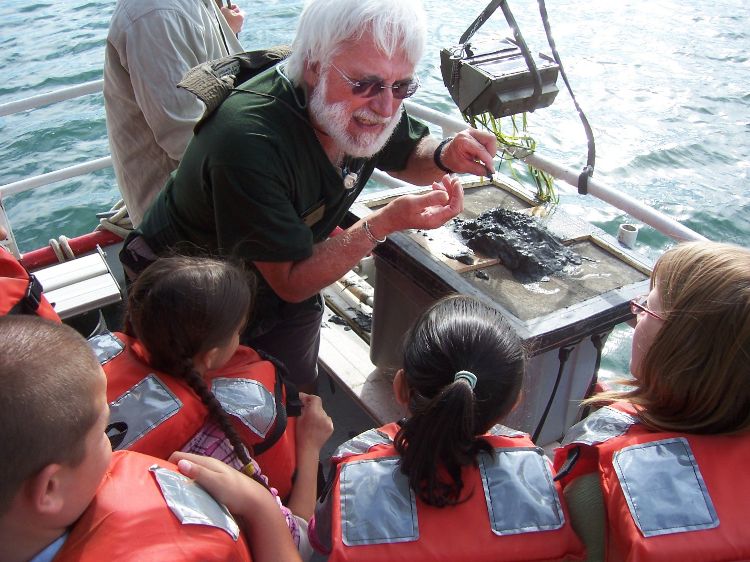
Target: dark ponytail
440, 432
448, 416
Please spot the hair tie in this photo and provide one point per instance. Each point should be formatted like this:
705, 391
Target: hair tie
471, 378
248, 469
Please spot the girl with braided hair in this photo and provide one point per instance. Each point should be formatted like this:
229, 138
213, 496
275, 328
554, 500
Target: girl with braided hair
448, 482
209, 395
186, 313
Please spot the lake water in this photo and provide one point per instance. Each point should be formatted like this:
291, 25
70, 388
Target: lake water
665, 85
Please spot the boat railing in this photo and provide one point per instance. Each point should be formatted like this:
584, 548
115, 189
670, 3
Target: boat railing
33, 102
636, 209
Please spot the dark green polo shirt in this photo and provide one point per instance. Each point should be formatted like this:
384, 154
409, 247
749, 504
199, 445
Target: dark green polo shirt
256, 184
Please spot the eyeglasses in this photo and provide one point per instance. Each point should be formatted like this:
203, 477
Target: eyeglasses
638, 305
370, 88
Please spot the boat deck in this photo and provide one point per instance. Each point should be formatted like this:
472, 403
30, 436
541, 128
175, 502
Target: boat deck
345, 357
355, 393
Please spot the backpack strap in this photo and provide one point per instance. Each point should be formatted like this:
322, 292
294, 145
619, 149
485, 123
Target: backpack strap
212, 82
293, 406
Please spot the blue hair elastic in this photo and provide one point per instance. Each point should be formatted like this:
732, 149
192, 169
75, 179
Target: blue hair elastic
471, 378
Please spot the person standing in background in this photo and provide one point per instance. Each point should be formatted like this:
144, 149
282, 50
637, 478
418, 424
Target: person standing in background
150, 46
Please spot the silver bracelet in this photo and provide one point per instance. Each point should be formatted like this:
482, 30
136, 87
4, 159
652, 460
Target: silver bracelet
371, 236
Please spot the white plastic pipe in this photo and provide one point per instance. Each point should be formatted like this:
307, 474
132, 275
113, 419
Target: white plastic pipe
51, 97
634, 208
52, 177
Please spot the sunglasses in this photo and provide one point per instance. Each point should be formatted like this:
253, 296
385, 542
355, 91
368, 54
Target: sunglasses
372, 87
638, 305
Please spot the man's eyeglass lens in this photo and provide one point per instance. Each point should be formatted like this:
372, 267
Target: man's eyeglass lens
371, 88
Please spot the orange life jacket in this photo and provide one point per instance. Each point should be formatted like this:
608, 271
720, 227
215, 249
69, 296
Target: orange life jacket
132, 517
161, 413
668, 496
20, 292
512, 510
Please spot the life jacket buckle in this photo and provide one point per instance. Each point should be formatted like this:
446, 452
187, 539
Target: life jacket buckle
33, 297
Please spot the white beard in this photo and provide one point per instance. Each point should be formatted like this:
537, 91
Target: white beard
334, 119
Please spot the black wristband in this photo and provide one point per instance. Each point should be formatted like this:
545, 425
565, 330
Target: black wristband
436, 156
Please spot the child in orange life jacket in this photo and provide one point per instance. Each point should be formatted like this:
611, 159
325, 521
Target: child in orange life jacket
65, 495
20, 292
187, 314
447, 483
661, 471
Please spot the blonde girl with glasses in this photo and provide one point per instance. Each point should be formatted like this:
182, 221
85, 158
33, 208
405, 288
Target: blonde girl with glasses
661, 470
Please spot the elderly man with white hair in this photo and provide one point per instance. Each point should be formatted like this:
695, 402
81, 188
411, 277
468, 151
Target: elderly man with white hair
272, 172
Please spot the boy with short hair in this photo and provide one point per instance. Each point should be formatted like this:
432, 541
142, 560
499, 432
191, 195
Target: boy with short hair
65, 495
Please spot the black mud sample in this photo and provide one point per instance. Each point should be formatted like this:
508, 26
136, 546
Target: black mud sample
364, 321
463, 257
336, 319
524, 246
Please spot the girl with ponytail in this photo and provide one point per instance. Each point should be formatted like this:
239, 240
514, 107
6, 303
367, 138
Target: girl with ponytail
462, 373
448, 482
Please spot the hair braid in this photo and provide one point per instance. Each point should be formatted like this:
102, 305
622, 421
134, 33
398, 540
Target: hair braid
215, 410
218, 414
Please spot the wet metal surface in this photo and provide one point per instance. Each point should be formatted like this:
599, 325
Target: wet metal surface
584, 275
532, 266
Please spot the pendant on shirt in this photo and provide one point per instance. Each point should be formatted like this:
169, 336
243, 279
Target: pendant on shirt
350, 180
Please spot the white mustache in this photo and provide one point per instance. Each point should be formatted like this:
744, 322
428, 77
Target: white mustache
372, 118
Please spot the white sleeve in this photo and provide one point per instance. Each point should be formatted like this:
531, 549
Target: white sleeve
160, 49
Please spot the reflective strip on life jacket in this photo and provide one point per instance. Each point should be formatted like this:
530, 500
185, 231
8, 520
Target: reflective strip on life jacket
500, 430
361, 443
664, 487
145, 510
106, 347
191, 504
144, 407
521, 478
603, 424
249, 401
377, 505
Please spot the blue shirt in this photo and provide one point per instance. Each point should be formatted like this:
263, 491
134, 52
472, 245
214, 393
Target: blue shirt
51, 550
